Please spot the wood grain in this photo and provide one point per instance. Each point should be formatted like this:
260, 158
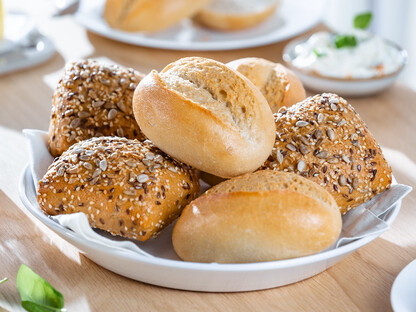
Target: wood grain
361, 282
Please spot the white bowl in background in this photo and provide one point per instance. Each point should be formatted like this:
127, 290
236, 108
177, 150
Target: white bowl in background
343, 86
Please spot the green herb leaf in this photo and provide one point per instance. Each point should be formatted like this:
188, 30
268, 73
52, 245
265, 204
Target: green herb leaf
3, 280
362, 21
34, 307
36, 294
317, 53
342, 41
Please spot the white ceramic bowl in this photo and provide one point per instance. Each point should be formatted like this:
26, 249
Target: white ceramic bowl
165, 269
403, 291
344, 87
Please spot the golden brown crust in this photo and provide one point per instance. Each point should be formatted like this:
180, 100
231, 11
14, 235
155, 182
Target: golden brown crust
261, 216
206, 115
223, 19
325, 140
92, 99
279, 85
125, 187
149, 15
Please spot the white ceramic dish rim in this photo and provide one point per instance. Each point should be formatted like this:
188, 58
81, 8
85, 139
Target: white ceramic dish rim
209, 45
194, 266
288, 49
401, 282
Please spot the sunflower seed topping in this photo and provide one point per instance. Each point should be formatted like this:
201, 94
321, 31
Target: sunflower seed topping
320, 118
317, 134
87, 165
355, 182
279, 156
330, 133
301, 165
103, 165
98, 104
96, 173
301, 123
303, 149
346, 159
322, 154
75, 123
342, 180
142, 178
112, 114
83, 114
291, 147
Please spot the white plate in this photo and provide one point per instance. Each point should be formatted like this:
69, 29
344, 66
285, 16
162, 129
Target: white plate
23, 46
165, 269
291, 19
403, 292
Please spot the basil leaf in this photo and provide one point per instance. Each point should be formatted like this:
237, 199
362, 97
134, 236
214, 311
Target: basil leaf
3, 280
342, 41
34, 307
36, 293
362, 21
317, 53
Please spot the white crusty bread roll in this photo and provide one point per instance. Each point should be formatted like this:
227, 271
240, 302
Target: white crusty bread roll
207, 115
279, 85
236, 14
149, 15
261, 216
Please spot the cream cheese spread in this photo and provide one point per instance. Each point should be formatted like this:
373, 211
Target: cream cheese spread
371, 57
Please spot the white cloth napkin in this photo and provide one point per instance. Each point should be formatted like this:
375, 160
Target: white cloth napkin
365, 220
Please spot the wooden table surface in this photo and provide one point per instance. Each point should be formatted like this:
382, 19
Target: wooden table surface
361, 282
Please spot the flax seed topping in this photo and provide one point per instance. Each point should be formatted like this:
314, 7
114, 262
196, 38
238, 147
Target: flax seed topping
326, 141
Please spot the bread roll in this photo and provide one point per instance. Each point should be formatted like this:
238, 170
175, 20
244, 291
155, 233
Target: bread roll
207, 115
261, 216
92, 99
125, 187
149, 15
325, 140
279, 85
236, 14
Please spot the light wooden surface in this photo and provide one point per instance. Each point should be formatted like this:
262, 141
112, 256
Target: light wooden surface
361, 282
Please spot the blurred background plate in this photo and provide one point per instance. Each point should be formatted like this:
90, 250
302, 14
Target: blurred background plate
290, 19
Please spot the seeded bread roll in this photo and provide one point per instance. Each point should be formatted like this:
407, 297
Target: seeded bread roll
262, 216
125, 187
325, 140
279, 85
236, 14
92, 99
207, 115
149, 15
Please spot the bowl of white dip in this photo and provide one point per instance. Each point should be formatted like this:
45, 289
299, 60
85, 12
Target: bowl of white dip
355, 64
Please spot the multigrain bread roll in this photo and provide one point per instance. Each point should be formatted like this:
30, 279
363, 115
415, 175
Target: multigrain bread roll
279, 85
125, 187
149, 15
236, 14
207, 115
261, 216
92, 99
325, 140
